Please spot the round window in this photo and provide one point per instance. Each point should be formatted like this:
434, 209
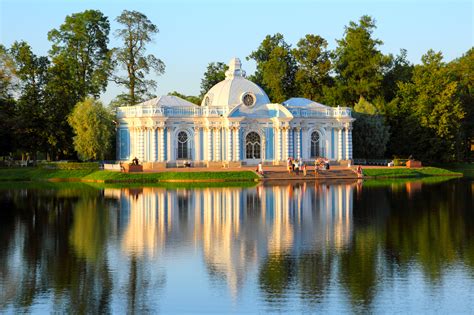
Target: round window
248, 99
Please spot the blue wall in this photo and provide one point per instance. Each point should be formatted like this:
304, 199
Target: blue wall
269, 144
124, 144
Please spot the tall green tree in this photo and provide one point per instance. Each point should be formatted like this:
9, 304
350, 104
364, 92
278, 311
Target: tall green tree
214, 74
137, 31
358, 63
462, 71
30, 118
93, 126
80, 44
399, 69
7, 102
435, 113
314, 65
371, 134
276, 67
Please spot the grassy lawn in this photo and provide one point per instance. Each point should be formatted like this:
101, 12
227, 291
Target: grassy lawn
31, 174
408, 172
466, 168
383, 182
109, 176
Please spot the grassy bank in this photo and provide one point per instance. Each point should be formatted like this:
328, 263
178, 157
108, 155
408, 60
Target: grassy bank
408, 172
32, 174
466, 168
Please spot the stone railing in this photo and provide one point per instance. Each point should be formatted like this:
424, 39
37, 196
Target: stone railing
330, 112
141, 111
150, 110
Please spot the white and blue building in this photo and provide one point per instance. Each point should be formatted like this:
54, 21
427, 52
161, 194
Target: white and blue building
235, 124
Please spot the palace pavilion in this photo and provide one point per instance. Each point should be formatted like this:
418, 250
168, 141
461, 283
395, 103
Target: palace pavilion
236, 124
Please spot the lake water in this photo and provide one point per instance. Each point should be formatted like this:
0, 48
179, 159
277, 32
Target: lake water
383, 247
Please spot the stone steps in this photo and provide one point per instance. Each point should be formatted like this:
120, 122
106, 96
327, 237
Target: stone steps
326, 174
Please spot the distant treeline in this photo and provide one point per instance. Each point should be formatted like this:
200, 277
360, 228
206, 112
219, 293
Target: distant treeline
424, 110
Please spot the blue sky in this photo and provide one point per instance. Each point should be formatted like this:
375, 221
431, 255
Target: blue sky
194, 33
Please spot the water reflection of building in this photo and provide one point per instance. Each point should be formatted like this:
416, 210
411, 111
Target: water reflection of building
236, 228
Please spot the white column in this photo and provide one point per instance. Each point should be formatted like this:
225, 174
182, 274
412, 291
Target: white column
277, 143
237, 144
339, 144
197, 144
132, 143
327, 142
229, 144
141, 144
162, 144
280, 144
147, 144
298, 143
291, 144
348, 143
209, 144
218, 144
286, 137
153, 144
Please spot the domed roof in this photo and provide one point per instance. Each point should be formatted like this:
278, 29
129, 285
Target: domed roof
234, 89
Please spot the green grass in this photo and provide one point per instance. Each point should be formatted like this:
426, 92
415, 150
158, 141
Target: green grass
466, 168
28, 174
408, 172
108, 176
31, 174
402, 181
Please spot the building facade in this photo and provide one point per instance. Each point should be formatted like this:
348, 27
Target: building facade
236, 124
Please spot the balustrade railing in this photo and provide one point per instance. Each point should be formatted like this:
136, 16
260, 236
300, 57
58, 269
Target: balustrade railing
139, 111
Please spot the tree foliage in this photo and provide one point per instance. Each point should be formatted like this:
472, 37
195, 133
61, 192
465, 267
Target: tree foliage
214, 74
276, 67
434, 112
137, 31
93, 126
7, 102
314, 65
358, 63
371, 134
31, 107
80, 47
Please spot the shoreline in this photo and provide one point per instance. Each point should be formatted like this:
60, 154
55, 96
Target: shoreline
202, 176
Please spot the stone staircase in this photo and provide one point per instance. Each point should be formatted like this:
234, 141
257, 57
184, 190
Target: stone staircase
334, 173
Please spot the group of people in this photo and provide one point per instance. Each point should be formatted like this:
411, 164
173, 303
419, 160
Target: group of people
295, 166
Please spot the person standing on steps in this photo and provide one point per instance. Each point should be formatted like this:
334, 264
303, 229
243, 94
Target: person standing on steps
260, 168
297, 168
359, 172
304, 169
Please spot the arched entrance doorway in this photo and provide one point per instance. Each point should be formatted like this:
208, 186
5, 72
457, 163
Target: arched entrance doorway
315, 144
253, 146
183, 146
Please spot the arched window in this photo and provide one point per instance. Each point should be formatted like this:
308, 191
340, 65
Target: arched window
183, 147
315, 152
252, 146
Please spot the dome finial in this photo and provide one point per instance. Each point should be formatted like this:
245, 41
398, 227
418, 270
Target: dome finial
235, 69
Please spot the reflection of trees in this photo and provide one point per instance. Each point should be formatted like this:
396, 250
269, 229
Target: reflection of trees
43, 219
298, 239
275, 276
89, 230
435, 228
358, 267
314, 274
